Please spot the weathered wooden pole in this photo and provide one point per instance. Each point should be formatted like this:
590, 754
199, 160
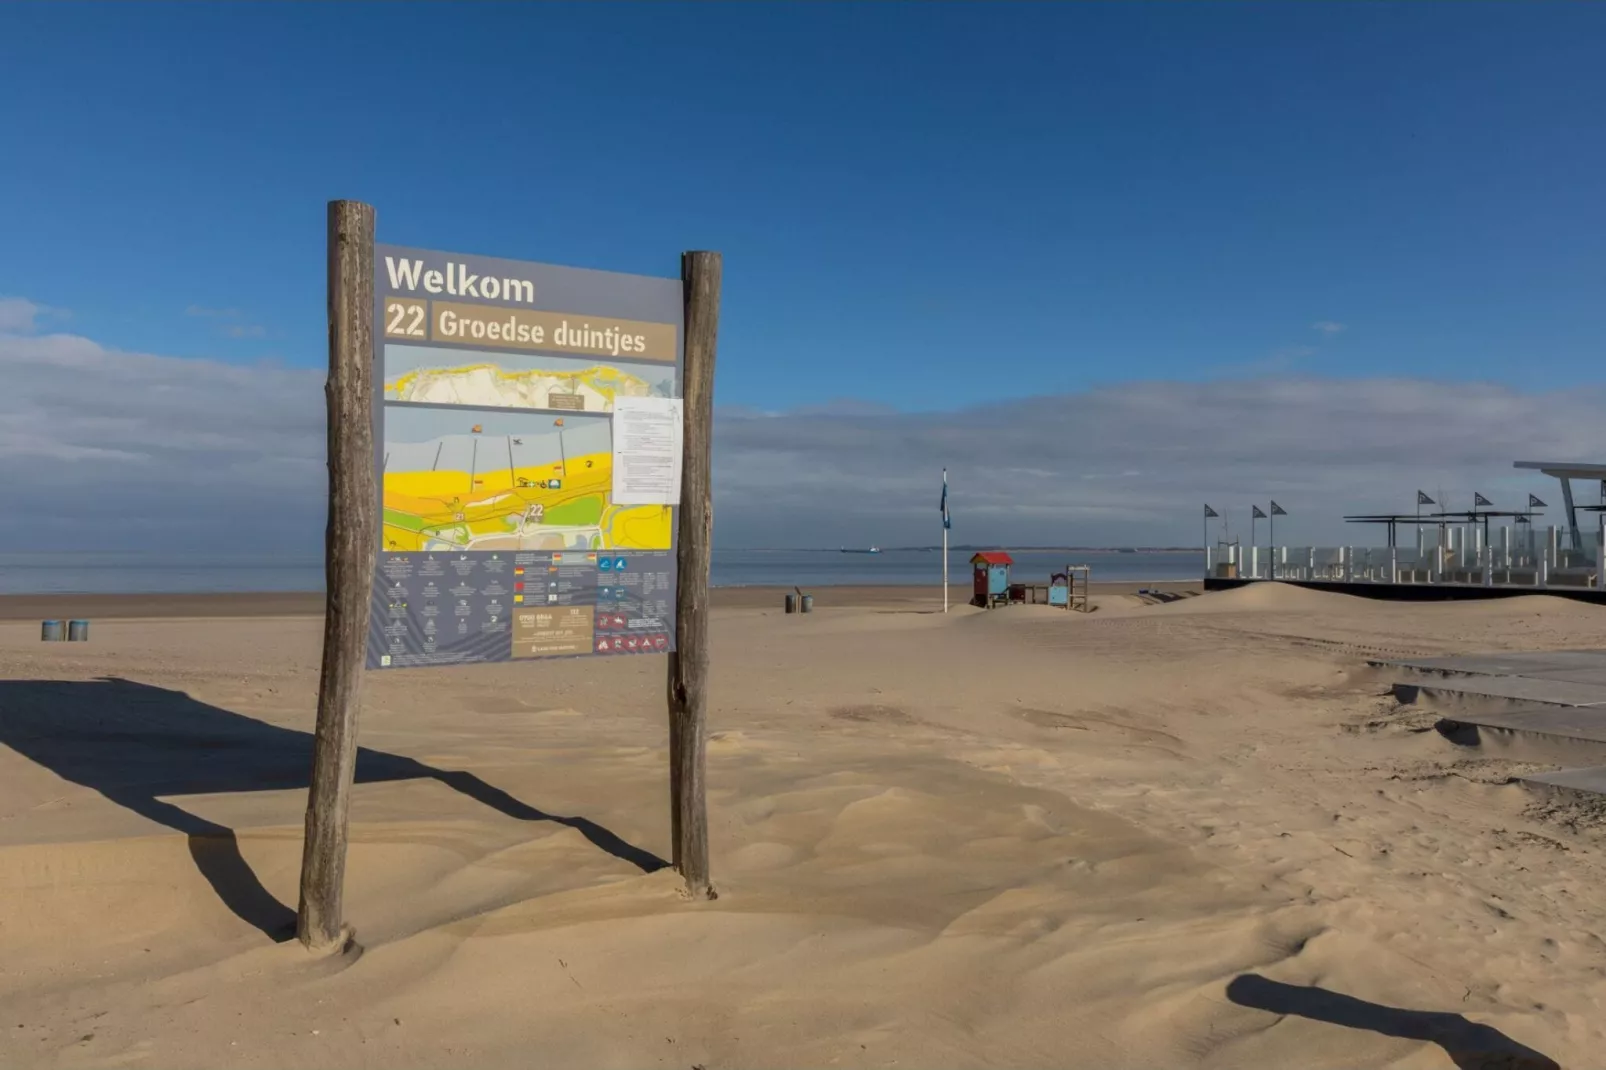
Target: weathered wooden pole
688, 664
350, 543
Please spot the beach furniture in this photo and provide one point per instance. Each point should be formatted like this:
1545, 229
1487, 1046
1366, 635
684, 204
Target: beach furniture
1029, 594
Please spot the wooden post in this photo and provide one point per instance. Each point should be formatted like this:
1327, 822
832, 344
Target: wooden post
688, 664
351, 540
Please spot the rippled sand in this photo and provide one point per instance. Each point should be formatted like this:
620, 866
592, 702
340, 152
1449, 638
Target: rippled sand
1189, 835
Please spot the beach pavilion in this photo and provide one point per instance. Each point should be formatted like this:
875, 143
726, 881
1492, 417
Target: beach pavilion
1566, 472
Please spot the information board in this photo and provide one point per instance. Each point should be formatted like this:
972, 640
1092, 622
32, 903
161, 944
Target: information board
527, 429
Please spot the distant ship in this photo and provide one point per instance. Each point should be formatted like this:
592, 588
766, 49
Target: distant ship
871, 550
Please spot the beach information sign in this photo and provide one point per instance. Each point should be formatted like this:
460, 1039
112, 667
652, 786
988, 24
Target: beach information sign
528, 433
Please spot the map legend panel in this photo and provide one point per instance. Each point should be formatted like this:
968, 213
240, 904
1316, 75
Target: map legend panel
481, 606
551, 632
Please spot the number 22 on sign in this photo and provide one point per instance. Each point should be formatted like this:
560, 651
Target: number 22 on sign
404, 318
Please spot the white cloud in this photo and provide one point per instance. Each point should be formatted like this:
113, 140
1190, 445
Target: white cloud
1327, 328
99, 444
103, 448
1134, 463
211, 313
245, 330
18, 315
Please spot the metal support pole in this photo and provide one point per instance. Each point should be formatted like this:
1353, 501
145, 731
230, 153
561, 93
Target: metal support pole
1271, 545
1572, 513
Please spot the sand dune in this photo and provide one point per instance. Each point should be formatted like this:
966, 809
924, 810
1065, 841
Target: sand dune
1175, 836
1264, 597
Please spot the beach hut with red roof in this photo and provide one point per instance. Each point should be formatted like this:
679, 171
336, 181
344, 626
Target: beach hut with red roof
991, 577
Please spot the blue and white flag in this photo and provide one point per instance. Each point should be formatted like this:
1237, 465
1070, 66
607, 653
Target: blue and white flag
947, 522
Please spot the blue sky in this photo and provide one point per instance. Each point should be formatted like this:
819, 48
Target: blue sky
923, 207
919, 205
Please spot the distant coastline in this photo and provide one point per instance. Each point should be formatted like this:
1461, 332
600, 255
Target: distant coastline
189, 573
971, 548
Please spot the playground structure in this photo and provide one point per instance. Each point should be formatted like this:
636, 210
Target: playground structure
991, 585
1068, 589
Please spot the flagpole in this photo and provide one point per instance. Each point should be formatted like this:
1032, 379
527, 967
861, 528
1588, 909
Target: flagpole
945, 540
1271, 539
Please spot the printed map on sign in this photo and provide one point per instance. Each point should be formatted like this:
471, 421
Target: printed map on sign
458, 479
431, 376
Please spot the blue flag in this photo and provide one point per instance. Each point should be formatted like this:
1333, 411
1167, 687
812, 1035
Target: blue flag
947, 523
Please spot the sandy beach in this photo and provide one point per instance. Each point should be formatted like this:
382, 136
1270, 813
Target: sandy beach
1198, 834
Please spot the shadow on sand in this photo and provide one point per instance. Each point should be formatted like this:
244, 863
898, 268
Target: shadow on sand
1469, 1045
135, 743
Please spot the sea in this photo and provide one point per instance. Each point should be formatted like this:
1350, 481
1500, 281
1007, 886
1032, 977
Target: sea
167, 573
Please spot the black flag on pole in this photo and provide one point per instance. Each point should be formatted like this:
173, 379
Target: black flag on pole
1423, 499
1478, 499
1209, 513
1277, 510
1535, 503
1255, 513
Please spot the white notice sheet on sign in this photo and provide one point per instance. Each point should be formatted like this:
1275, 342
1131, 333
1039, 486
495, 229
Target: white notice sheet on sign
647, 440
